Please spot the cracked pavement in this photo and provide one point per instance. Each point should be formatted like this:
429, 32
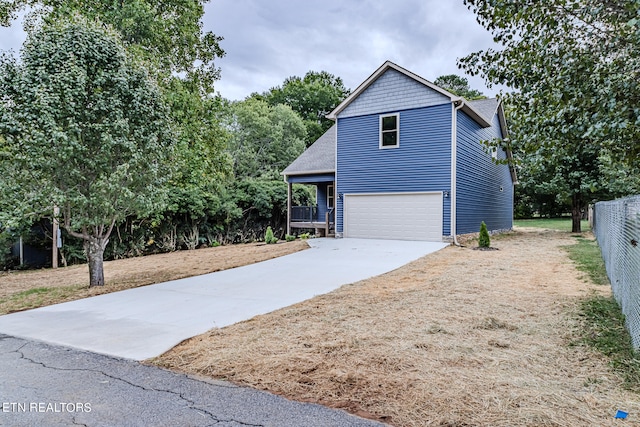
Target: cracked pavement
42, 384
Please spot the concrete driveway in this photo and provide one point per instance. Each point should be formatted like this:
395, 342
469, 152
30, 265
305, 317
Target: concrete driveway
147, 321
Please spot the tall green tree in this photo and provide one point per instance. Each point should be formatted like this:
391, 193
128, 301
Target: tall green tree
573, 66
264, 139
458, 85
167, 33
85, 129
203, 166
313, 97
168, 36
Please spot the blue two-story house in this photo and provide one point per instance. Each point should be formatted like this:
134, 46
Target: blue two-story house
405, 161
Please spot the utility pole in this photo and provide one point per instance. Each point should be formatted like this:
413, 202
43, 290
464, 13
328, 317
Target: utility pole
56, 228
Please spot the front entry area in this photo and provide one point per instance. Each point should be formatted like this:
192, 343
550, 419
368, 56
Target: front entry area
397, 216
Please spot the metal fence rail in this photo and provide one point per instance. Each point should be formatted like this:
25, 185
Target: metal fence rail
616, 225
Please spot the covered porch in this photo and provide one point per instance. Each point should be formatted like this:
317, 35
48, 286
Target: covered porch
315, 166
319, 217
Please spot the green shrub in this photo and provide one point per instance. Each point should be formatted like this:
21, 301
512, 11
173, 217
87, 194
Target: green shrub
289, 238
269, 238
484, 241
305, 236
7, 260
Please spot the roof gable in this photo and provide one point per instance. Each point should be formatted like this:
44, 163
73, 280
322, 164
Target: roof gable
393, 91
431, 94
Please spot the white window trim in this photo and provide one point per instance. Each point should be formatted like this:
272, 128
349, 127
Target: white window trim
383, 116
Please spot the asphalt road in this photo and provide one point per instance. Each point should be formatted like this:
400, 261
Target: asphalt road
48, 385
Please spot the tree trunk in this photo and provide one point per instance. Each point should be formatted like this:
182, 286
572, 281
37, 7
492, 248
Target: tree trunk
94, 248
576, 213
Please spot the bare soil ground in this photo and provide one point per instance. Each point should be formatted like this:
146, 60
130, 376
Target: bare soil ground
20, 290
458, 338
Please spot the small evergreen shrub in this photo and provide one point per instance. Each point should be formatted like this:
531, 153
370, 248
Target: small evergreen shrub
484, 241
269, 238
289, 238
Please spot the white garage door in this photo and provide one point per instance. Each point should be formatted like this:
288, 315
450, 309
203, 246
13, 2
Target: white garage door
401, 216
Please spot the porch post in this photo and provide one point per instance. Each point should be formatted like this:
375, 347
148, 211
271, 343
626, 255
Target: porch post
54, 234
289, 196
326, 224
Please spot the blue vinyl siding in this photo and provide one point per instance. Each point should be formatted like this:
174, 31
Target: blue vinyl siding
421, 163
479, 180
321, 199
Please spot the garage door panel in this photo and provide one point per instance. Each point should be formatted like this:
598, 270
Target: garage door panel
403, 216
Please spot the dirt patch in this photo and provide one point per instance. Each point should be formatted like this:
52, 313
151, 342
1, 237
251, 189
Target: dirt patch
20, 290
457, 338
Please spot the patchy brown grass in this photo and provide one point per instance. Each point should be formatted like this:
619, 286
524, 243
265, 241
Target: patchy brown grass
21, 290
457, 338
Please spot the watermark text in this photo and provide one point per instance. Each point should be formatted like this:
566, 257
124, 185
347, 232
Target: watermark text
54, 407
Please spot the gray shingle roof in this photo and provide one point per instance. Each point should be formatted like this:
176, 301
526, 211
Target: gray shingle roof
319, 158
486, 107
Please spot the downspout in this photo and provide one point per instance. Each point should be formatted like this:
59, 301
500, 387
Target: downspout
336, 196
456, 105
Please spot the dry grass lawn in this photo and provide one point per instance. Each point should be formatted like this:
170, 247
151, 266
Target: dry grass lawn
20, 290
457, 338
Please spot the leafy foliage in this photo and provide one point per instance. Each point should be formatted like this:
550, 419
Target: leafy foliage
574, 67
458, 85
85, 129
313, 97
264, 139
553, 181
167, 33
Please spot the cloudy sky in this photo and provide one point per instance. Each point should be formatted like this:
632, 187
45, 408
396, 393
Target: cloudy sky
267, 42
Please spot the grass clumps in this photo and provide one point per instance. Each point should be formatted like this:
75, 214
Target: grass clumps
604, 330
36, 297
558, 224
586, 254
603, 323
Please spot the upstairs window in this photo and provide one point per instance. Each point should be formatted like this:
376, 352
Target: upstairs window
390, 131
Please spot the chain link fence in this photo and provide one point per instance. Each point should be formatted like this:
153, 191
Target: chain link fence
616, 225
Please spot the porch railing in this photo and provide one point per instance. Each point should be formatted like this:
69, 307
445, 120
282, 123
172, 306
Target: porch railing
304, 213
